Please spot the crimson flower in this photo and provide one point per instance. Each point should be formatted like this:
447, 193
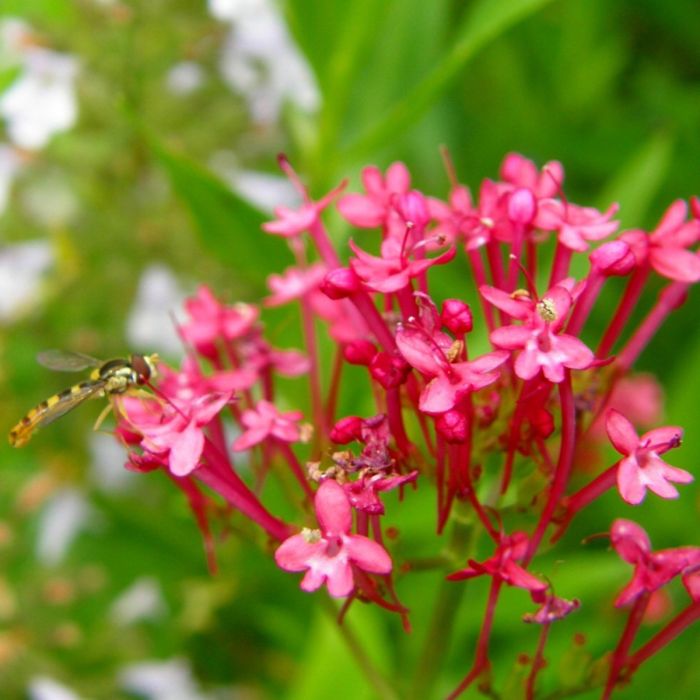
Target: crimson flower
642, 468
329, 554
503, 565
652, 570
543, 348
265, 421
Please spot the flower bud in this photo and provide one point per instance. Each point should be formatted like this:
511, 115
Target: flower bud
389, 370
340, 283
452, 426
456, 316
359, 352
522, 206
614, 258
346, 430
413, 208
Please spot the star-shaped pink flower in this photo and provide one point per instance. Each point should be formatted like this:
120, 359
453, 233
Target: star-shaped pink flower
265, 421
641, 467
329, 554
652, 570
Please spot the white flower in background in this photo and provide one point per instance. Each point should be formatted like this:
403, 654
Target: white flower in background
10, 164
41, 101
15, 38
62, 519
263, 190
43, 688
261, 61
161, 680
150, 325
143, 600
107, 459
184, 78
22, 268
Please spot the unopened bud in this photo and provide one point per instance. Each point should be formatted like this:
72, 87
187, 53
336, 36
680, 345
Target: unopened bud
359, 352
346, 430
390, 371
340, 283
456, 316
452, 426
614, 258
522, 206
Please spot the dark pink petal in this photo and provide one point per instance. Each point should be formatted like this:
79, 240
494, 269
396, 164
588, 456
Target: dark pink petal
573, 352
511, 337
398, 178
439, 395
515, 575
630, 481
333, 508
527, 365
418, 350
662, 439
692, 585
675, 264
621, 432
205, 409
361, 211
489, 361
630, 540
313, 579
673, 218
517, 308
186, 450
367, 554
295, 553
339, 579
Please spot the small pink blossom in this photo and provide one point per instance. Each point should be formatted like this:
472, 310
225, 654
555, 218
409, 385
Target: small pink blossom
294, 283
666, 247
503, 565
329, 554
176, 437
265, 421
652, 570
522, 172
376, 208
543, 347
575, 225
642, 468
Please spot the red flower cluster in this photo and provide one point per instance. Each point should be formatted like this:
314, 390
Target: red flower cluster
472, 405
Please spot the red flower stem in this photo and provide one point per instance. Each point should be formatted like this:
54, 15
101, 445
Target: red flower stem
314, 373
670, 298
619, 657
585, 496
531, 258
478, 508
493, 253
396, 425
235, 492
481, 658
407, 302
441, 448
480, 278
374, 320
560, 264
323, 245
538, 663
665, 636
288, 453
516, 251
563, 469
585, 302
332, 400
624, 310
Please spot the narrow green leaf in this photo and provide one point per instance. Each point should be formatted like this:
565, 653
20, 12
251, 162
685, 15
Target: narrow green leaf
228, 226
487, 20
638, 180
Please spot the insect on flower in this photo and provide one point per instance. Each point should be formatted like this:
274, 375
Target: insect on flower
110, 378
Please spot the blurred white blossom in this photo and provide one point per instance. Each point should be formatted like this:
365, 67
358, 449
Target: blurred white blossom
41, 101
143, 600
162, 680
62, 519
44, 688
107, 459
261, 61
10, 163
150, 326
22, 268
184, 78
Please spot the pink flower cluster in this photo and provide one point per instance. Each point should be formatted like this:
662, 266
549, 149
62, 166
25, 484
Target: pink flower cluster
472, 394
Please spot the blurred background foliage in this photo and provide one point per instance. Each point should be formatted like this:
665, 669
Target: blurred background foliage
172, 174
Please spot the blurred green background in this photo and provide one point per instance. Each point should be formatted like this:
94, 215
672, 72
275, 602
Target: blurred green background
154, 182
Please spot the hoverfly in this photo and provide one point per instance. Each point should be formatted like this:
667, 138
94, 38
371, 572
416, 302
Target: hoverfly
108, 379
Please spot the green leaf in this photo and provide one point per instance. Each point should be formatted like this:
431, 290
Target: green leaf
638, 180
487, 20
228, 226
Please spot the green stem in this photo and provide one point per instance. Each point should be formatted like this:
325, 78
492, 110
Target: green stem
381, 687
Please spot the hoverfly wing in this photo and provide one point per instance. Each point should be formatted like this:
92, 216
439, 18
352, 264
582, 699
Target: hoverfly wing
66, 361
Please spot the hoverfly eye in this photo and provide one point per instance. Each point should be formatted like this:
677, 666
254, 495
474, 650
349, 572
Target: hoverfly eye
141, 367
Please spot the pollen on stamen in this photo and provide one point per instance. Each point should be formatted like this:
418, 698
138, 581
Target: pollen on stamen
547, 310
311, 536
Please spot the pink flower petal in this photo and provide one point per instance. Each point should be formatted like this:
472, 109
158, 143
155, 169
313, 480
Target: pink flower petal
186, 450
621, 432
367, 554
333, 508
